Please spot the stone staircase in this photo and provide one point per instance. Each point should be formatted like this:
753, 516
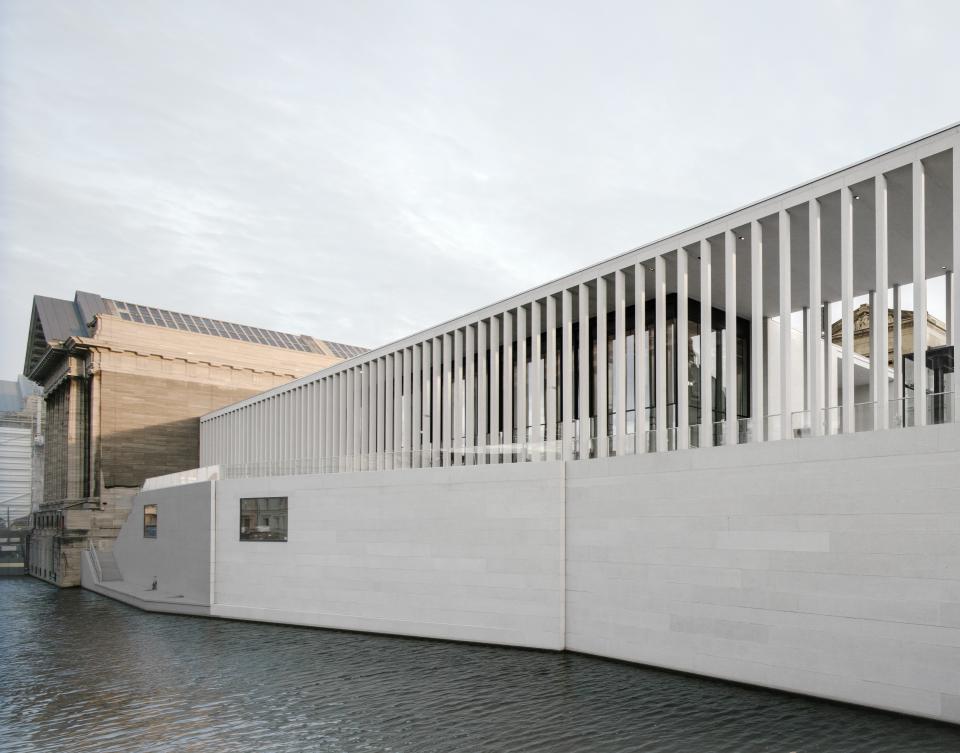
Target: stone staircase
108, 567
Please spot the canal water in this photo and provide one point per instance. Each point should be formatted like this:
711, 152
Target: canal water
83, 673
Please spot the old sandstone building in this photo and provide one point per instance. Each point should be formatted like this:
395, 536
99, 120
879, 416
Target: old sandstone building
124, 386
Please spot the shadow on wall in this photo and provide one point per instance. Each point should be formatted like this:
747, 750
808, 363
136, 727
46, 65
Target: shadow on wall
129, 457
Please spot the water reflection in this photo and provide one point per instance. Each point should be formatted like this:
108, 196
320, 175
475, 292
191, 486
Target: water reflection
83, 673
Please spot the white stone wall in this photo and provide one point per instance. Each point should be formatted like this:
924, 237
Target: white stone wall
824, 566
179, 557
471, 553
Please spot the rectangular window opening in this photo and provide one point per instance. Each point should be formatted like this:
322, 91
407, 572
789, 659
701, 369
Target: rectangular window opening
149, 521
263, 519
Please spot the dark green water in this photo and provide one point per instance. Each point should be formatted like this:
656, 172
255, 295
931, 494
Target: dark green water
83, 673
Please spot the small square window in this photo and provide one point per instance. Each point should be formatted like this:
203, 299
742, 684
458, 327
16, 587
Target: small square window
149, 521
263, 519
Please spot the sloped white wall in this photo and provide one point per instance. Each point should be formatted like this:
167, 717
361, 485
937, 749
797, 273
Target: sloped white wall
179, 558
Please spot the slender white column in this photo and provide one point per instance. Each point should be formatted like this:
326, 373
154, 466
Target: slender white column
878, 311
420, 398
756, 332
521, 412
583, 370
495, 438
346, 416
389, 409
830, 375
506, 397
357, 423
948, 295
683, 349
601, 406
815, 361
482, 390
951, 292
620, 358
919, 296
730, 335
706, 345
898, 349
329, 424
955, 276
536, 380
846, 303
365, 414
436, 393
567, 366
641, 357
414, 399
660, 349
873, 303
406, 421
786, 329
381, 410
459, 403
550, 392
446, 426
470, 393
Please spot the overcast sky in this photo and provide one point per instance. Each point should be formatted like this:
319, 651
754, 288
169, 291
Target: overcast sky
359, 171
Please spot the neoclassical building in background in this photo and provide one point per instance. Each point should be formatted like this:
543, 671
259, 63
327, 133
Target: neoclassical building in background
124, 386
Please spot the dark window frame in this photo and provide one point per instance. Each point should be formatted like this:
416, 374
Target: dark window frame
275, 511
150, 531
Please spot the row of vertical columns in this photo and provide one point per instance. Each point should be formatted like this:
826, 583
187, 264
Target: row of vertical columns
386, 406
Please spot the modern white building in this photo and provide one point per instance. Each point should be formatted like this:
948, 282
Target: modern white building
735, 496
555, 372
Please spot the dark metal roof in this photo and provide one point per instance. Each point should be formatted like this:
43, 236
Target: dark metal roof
54, 320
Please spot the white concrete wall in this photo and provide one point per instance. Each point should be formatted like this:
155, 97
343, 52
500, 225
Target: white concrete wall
179, 558
471, 553
825, 566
